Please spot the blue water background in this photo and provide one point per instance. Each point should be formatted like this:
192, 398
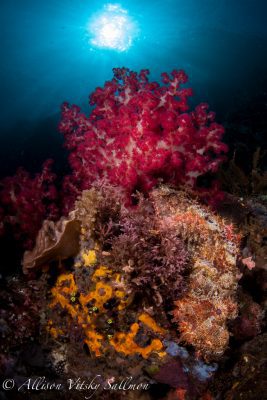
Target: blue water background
46, 59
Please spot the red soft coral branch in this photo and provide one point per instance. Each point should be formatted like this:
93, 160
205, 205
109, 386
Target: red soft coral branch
140, 132
25, 201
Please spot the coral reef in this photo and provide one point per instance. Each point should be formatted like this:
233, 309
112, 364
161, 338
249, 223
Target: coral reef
100, 325
140, 132
97, 294
25, 201
210, 301
156, 259
112, 304
135, 276
109, 306
133, 265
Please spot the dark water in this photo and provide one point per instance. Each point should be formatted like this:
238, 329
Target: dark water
46, 59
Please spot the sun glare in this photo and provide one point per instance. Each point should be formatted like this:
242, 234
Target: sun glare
112, 28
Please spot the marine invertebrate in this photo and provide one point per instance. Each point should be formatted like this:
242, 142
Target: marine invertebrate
58, 240
99, 211
25, 201
91, 311
139, 274
155, 261
147, 253
96, 296
138, 133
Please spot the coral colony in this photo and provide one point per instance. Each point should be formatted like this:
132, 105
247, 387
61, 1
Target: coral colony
138, 134
139, 273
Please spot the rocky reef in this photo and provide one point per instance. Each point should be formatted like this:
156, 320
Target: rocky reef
136, 277
143, 283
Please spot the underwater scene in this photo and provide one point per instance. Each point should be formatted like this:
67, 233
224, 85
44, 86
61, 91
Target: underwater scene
133, 200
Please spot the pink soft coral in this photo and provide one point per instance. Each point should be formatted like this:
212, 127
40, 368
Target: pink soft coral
140, 132
25, 201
